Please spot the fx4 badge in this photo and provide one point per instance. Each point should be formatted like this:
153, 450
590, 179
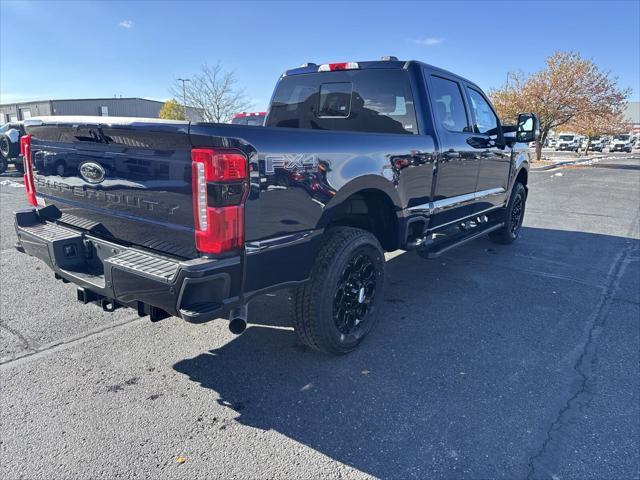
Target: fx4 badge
290, 161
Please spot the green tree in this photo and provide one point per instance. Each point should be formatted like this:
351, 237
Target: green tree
172, 110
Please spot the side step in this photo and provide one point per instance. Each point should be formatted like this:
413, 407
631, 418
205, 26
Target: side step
435, 249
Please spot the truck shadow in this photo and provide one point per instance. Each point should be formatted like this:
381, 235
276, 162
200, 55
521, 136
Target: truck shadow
460, 376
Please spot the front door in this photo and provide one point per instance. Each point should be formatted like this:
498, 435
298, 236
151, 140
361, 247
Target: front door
495, 158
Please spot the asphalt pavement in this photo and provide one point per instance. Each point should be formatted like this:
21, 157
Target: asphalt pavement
493, 361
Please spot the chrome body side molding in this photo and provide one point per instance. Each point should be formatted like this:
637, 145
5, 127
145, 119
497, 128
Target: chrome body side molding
439, 205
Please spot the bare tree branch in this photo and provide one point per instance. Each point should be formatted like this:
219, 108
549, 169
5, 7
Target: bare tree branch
214, 93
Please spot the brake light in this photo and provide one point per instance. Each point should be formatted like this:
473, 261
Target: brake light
29, 184
220, 187
332, 67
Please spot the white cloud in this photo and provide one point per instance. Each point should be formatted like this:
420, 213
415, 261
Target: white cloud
126, 24
428, 41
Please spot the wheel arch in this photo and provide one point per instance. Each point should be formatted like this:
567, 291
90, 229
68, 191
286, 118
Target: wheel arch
371, 204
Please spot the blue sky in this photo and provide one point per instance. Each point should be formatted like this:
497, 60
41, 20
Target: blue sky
136, 49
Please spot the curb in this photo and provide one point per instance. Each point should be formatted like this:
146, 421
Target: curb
567, 163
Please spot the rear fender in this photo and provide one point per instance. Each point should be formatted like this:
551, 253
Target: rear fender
366, 182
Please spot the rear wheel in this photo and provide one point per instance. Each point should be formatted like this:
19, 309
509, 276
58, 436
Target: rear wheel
512, 216
339, 306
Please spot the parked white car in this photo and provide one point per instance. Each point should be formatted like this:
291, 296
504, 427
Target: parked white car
568, 142
621, 143
597, 144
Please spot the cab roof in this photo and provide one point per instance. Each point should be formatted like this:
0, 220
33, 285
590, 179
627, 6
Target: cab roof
376, 64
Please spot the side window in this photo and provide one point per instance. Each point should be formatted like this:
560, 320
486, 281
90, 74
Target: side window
449, 107
486, 120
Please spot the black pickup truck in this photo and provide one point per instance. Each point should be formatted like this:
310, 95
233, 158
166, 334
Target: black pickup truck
194, 219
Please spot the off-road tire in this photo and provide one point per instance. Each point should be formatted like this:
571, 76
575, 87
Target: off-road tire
313, 305
8, 149
510, 232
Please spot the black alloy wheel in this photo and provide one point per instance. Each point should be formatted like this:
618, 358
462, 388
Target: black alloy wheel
339, 306
354, 294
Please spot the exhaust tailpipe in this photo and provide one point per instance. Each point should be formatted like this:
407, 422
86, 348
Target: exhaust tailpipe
238, 319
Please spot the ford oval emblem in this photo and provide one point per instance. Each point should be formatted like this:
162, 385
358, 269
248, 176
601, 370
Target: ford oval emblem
92, 172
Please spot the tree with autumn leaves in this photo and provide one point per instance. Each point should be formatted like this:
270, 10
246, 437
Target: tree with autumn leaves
569, 92
172, 110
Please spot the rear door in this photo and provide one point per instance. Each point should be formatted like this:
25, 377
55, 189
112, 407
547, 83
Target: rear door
458, 161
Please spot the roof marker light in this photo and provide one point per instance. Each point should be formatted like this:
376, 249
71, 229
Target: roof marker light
332, 67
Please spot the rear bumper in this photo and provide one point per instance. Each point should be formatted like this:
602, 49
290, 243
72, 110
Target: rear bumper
115, 275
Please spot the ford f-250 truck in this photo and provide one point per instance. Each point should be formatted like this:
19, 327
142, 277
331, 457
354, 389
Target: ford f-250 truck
194, 220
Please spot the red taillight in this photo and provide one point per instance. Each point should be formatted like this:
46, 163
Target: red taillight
218, 218
332, 67
29, 184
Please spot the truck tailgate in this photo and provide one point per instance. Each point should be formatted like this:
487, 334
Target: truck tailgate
123, 179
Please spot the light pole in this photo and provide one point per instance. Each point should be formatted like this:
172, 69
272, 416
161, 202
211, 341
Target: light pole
184, 95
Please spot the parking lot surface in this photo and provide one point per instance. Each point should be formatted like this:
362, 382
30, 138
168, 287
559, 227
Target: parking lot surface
492, 361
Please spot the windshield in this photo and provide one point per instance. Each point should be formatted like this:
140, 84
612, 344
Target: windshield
257, 120
621, 137
566, 138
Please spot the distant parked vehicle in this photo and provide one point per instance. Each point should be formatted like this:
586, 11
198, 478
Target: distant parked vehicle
244, 118
621, 143
551, 142
584, 141
10, 134
568, 142
597, 144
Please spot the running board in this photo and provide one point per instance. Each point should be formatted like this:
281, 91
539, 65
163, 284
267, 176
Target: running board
438, 248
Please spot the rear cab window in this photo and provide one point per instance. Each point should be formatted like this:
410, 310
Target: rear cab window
368, 100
